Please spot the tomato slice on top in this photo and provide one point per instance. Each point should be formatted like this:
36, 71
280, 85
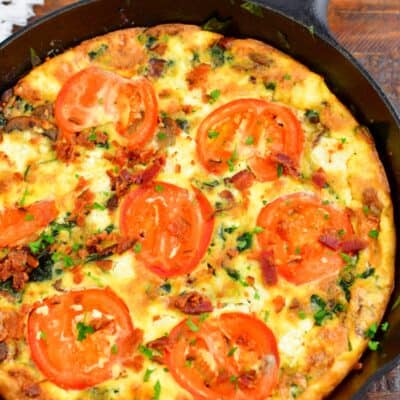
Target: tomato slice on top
173, 227
76, 338
233, 356
17, 224
94, 97
293, 226
253, 129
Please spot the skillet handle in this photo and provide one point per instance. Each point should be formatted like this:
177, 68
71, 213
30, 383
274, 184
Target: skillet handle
311, 13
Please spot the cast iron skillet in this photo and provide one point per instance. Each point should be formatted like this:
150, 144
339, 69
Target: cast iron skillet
299, 28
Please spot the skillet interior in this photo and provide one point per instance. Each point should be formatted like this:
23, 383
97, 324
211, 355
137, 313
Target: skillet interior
344, 76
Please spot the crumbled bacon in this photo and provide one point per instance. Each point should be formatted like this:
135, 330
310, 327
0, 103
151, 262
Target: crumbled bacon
319, 178
198, 76
247, 380
159, 345
65, 150
192, 303
17, 265
287, 163
11, 325
120, 183
148, 174
31, 390
371, 200
108, 243
112, 202
3, 351
279, 303
159, 48
156, 67
330, 240
268, 268
353, 245
242, 180
105, 265
83, 205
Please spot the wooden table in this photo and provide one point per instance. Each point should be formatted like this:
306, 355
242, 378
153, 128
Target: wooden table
370, 29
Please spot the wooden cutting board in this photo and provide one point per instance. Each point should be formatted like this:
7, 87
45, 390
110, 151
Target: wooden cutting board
370, 30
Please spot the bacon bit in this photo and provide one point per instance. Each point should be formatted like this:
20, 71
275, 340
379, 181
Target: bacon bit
77, 274
83, 205
178, 168
82, 183
225, 42
147, 175
160, 345
287, 163
295, 304
250, 280
371, 200
136, 363
198, 76
3, 351
247, 380
160, 48
242, 180
17, 265
192, 303
31, 390
353, 245
187, 108
331, 241
105, 265
268, 268
57, 285
231, 253
227, 195
108, 243
319, 178
279, 303
112, 202
11, 325
156, 67
120, 183
65, 150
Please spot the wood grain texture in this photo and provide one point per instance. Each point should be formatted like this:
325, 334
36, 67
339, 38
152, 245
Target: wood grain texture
370, 30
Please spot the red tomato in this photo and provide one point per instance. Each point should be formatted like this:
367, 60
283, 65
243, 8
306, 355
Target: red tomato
263, 129
293, 226
76, 338
94, 97
172, 225
231, 357
20, 223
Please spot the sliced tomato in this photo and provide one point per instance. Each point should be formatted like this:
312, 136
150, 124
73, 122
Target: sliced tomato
293, 227
234, 356
17, 224
173, 227
250, 129
94, 97
76, 338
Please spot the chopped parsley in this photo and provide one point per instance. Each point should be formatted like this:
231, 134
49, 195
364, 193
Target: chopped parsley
146, 351
161, 135
213, 134
166, 287
98, 206
93, 54
244, 241
159, 188
29, 217
312, 116
157, 391
232, 160
217, 55
373, 234
114, 349
182, 123
137, 248
249, 140
147, 374
270, 85
232, 351
322, 311
83, 331
214, 95
279, 170
192, 326
367, 273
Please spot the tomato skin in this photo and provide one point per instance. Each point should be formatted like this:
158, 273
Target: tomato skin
261, 121
255, 343
173, 226
94, 97
17, 224
66, 361
293, 225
